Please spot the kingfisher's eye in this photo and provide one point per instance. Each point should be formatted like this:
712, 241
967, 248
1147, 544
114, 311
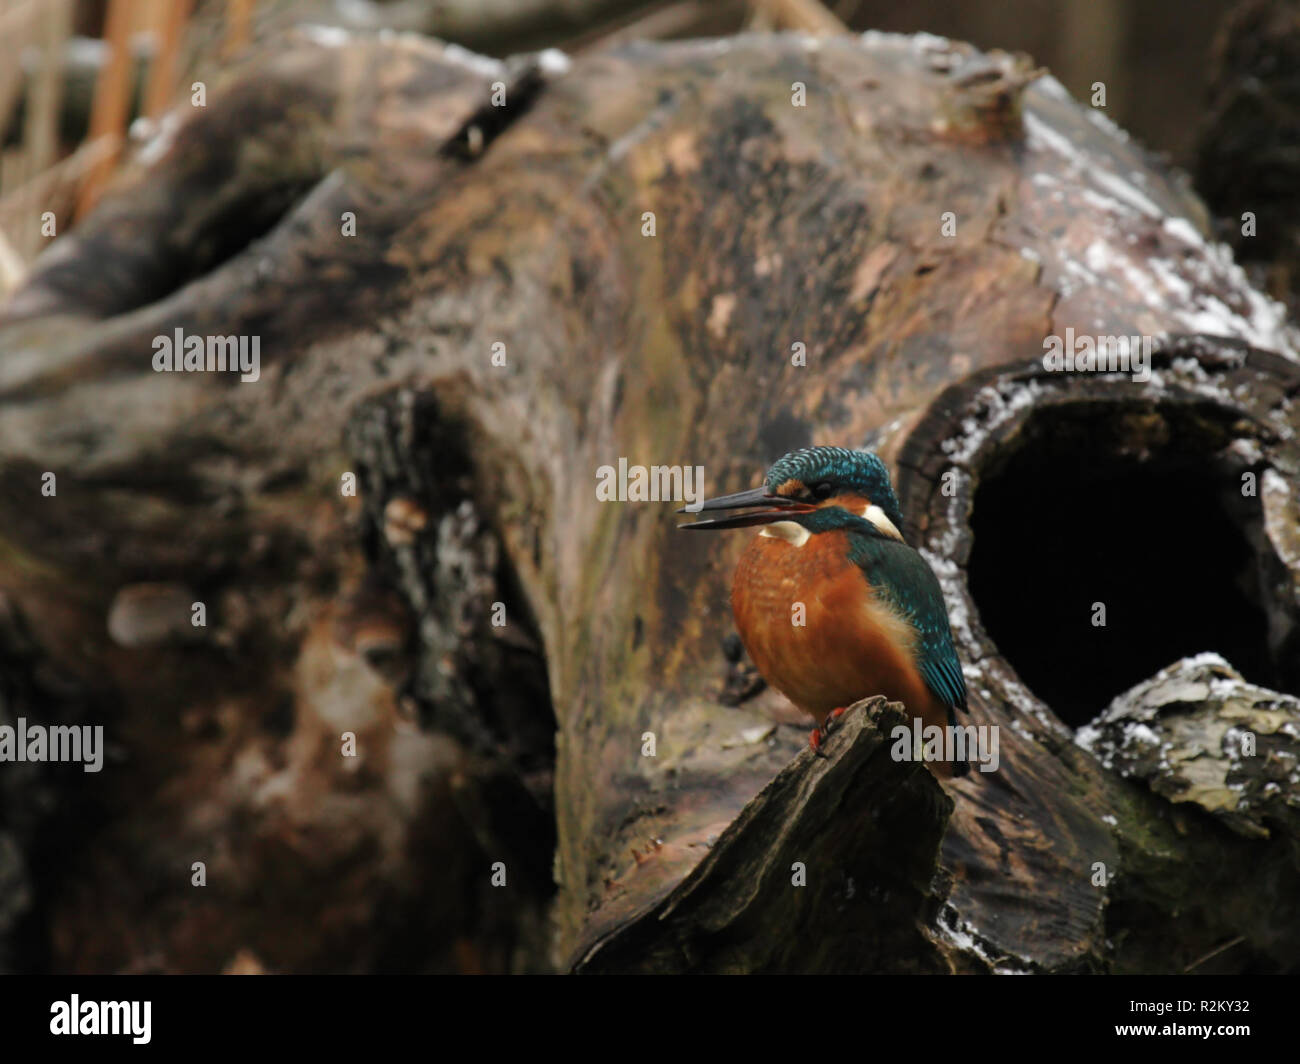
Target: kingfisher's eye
822, 490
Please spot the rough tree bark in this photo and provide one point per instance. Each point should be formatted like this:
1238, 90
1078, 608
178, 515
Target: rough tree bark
523, 226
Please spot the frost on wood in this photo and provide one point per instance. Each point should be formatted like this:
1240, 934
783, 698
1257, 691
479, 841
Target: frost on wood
1197, 732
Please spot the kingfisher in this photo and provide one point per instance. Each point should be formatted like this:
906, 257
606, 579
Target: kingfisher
873, 615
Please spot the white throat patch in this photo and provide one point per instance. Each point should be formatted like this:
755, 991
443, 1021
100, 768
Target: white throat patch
790, 531
876, 516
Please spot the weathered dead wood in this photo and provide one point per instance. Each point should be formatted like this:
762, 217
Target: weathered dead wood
1205, 398
1199, 733
775, 225
868, 830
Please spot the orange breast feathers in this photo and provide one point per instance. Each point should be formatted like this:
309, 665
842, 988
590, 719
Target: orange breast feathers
851, 644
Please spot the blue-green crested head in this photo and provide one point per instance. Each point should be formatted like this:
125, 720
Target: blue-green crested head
816, 474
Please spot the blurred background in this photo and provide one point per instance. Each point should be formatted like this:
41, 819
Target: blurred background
75, 74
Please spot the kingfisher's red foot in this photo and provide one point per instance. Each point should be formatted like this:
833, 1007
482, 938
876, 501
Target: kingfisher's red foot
818, 735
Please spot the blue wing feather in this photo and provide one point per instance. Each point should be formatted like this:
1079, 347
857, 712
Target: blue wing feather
902, 576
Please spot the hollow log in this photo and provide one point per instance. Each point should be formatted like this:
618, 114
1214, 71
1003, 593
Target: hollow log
876, 263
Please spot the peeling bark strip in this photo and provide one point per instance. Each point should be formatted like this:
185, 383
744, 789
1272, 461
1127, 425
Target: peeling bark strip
776, 226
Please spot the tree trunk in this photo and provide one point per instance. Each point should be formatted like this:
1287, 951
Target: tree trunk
504, 323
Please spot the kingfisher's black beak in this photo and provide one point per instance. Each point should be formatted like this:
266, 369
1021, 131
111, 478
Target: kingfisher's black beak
777, 508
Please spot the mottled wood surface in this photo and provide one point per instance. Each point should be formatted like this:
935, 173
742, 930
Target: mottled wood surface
775, 225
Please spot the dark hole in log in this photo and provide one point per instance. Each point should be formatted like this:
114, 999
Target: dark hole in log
1138, 507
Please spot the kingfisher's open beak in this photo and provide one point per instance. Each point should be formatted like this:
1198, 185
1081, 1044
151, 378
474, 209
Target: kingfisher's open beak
778, 508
